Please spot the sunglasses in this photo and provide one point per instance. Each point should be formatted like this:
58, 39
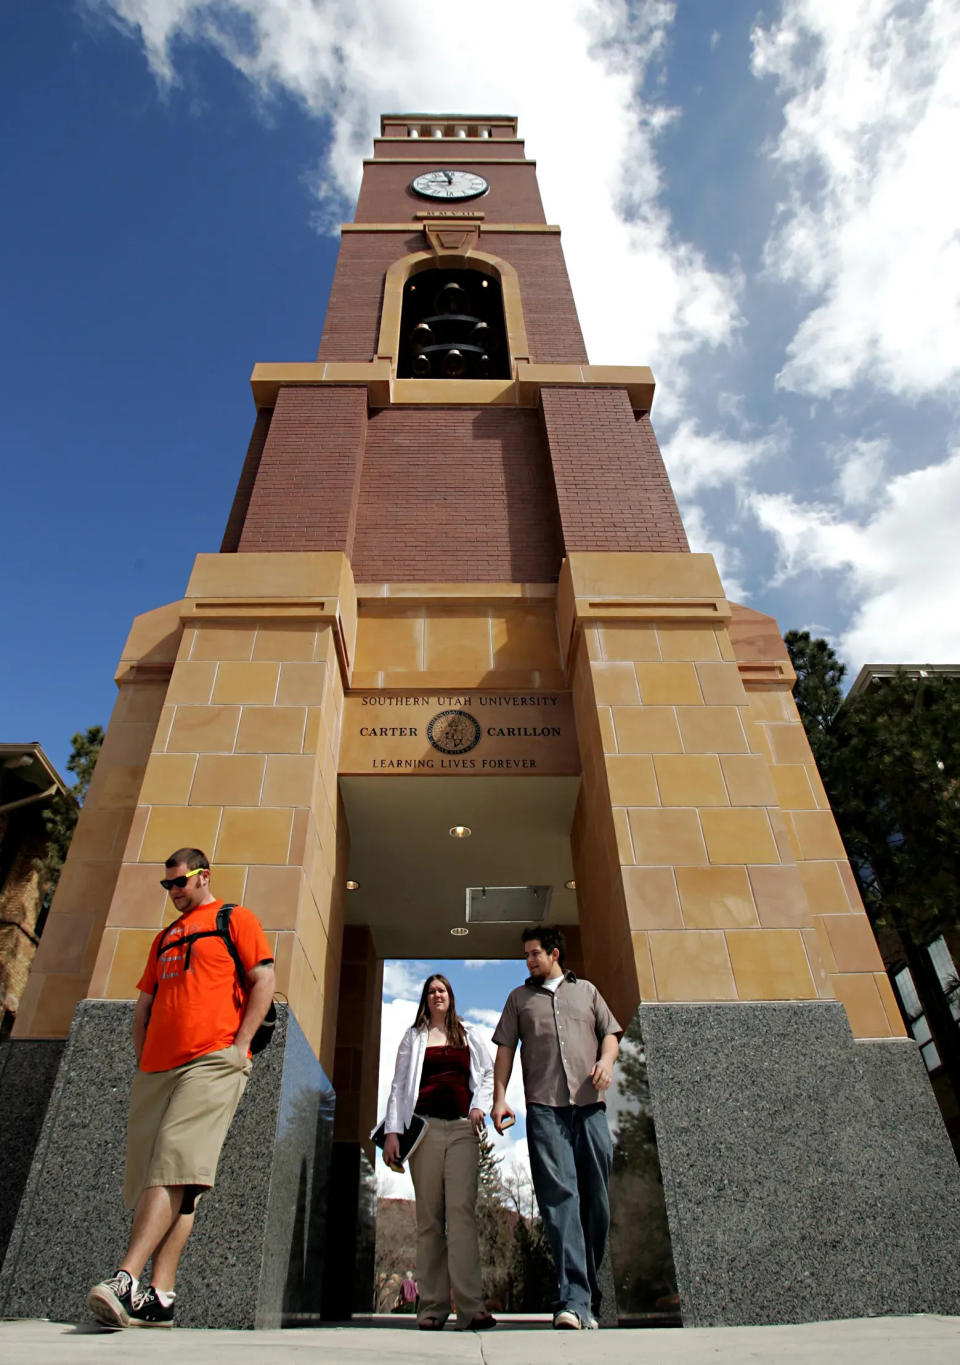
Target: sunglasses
168, 883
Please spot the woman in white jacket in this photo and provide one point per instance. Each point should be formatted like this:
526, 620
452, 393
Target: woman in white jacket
444, 1073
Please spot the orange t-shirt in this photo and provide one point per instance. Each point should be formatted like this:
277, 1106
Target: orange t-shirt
198, 1010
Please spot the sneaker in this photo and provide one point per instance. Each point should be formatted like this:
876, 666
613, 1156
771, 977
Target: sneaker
591, 1324
150, 1311
567, 1321
111, 1301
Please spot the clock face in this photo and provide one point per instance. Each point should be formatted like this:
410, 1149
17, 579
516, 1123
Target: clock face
450, 185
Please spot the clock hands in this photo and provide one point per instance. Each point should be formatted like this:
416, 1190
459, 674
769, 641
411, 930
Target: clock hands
447, 184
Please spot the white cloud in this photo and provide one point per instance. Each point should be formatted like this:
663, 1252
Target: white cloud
862, 466
697, 460
404, 979
515, 1171
728, 558
871, 129
473, 964
487, 1018
900, 566
645, 296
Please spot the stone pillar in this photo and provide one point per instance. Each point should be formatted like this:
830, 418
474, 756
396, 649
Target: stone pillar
61, 970
257, 1253
357, 1065
230, 745
820, 896
773, 1125
244, 765
71, 939
353, 1200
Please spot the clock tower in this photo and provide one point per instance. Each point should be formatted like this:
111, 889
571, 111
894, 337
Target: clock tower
455, 670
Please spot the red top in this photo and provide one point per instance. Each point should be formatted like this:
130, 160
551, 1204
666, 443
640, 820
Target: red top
199, 1010
445, 1083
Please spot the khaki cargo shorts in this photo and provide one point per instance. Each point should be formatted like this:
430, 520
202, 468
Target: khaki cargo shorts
178, 1122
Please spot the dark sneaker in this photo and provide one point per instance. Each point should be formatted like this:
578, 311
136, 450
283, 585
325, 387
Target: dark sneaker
149, 1311
111, 1301
481, 1323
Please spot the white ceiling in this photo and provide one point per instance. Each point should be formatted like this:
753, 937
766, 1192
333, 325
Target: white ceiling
413, 876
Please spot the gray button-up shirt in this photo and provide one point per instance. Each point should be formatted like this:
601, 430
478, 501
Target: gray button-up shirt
560, 1032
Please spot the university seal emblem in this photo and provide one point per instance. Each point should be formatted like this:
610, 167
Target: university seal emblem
453, 732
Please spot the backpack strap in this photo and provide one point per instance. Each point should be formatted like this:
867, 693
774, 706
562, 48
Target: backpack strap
223, 929
264, 1032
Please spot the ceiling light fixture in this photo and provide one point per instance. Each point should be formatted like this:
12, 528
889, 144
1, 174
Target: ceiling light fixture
459, 931
353, 886
571, 885
460, 832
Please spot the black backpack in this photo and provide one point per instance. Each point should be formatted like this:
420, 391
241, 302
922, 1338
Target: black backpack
264, 1033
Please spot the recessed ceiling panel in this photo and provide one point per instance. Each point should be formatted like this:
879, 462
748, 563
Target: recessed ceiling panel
508, 904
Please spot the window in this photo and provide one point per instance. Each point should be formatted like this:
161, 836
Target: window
452, 326
946, 970
916, 1018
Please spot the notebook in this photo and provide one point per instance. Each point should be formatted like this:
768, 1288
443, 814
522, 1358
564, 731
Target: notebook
409, 1141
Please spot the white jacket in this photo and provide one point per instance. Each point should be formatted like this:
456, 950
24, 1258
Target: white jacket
406, 1077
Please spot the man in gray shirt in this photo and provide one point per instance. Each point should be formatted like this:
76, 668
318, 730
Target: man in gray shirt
569, 1043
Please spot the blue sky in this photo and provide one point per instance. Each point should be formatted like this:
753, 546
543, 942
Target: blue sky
757, 201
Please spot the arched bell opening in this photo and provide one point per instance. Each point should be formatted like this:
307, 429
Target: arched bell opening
452, 326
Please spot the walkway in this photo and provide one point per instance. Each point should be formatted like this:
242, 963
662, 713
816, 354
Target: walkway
379, 1341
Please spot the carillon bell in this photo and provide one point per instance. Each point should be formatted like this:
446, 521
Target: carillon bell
452, 298
453, 327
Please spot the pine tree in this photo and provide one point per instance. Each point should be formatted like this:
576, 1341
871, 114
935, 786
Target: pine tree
890, 761
493, 1226
61, 814
817, 693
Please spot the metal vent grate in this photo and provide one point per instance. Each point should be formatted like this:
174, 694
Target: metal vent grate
507, 904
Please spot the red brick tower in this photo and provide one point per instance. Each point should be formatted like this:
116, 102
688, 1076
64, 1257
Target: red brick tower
454, 553
556, 456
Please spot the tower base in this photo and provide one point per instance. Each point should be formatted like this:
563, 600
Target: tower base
807, 1176
255, 1258
28, 1073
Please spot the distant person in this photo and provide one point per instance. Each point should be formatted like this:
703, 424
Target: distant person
444, 1074
192, 1028
569, 1042
409, 1293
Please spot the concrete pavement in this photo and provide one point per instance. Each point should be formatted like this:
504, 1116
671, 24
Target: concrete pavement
384, 1341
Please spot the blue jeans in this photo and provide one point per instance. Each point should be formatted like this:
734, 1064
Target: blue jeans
571, 1153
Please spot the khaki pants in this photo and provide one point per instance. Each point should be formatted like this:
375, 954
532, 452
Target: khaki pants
179, 1119
444, 1170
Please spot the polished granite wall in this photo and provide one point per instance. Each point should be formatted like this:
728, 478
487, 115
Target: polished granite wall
255, 1258
28, 1070
351, 1234
807, 1176
642, 1287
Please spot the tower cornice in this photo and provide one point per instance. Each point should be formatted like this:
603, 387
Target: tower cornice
385, 390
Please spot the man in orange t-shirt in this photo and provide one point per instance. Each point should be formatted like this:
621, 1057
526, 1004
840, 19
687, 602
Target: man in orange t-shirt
192, 1028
